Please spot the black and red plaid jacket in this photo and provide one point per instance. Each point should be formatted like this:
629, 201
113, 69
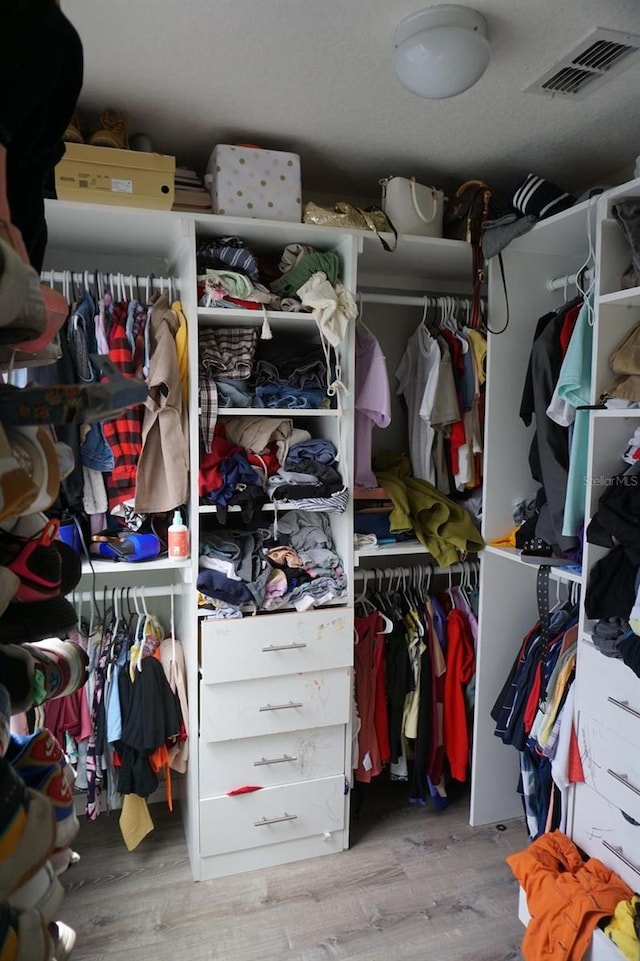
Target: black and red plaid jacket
124, 434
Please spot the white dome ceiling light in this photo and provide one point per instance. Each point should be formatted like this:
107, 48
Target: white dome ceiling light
441, 51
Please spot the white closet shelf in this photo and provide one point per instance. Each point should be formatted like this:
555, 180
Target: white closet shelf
391, 550
513, 554
623, 298
277, 412
119, 567
415, 258
278, 319
286, 609
618, 413
234, 508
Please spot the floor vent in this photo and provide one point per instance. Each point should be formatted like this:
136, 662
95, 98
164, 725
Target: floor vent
602, 54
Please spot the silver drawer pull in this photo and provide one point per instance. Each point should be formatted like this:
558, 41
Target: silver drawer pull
624, 705
280, 707
622, 778
296, 646
283, 817
274, 760
618, 853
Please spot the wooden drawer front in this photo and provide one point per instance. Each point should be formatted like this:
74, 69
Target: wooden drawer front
273, 705
268, 761
600, 829
609, 691
611, 766
269, 645
274, 815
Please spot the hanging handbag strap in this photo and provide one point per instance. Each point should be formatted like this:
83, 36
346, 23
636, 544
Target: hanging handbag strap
476, 318
416, 205
479, 275
371, 225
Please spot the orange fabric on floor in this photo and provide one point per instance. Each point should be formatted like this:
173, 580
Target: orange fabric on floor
566, 897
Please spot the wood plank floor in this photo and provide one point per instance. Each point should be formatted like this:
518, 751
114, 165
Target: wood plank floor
416, 885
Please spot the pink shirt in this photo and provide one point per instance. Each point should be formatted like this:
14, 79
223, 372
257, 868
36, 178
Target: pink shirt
373, 402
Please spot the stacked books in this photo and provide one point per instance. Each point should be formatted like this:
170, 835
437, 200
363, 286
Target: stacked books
190, 192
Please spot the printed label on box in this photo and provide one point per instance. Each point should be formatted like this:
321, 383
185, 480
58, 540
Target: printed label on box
122, 186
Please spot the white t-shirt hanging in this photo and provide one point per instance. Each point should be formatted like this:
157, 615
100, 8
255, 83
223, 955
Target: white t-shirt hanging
417, 375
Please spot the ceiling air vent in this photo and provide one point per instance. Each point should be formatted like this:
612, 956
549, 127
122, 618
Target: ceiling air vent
602, 54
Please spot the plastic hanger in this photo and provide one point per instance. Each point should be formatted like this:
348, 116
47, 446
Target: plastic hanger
387, 624
414, 614
363, 599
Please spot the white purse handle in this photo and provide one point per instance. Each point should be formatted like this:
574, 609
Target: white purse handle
434, 203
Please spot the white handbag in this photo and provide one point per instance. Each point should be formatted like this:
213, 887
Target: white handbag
413, 208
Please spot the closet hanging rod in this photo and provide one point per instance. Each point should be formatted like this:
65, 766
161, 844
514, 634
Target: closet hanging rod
390, 572
117, 278
101, 594
569, 280
405, 300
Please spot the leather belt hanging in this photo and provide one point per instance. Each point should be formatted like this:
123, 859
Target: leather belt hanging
542, 592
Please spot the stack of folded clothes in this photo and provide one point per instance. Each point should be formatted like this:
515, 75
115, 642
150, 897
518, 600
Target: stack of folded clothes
290, 371
293, 563
255, 459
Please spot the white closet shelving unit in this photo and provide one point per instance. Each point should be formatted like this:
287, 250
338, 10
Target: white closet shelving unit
274, 690
393, 287
554, 248
301, 757
607, 692
87, 237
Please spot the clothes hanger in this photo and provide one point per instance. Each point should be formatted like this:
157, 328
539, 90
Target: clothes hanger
360, 320
449, 588
387, 624
363, 600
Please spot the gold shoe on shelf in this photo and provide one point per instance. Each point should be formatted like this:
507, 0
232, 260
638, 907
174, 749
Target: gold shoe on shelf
73, 134
114, 131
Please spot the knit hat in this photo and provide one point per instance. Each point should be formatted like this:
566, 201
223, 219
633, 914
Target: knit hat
541, 198
498, 234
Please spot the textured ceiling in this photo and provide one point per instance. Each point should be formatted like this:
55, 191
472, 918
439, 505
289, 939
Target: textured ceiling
316, 77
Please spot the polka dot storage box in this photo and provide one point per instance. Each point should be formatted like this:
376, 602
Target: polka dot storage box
247, 181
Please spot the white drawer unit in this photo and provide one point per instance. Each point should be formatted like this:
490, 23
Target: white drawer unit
251, 647
273, 760
609, 691
600, 829
611, 766
274, 815
274, 705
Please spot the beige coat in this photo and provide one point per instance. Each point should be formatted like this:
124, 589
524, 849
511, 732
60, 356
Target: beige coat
162, 481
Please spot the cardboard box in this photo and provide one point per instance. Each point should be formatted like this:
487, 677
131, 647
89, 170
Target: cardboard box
126, 178
251, 182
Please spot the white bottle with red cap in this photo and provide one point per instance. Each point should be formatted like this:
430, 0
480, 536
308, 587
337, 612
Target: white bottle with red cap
178, 538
